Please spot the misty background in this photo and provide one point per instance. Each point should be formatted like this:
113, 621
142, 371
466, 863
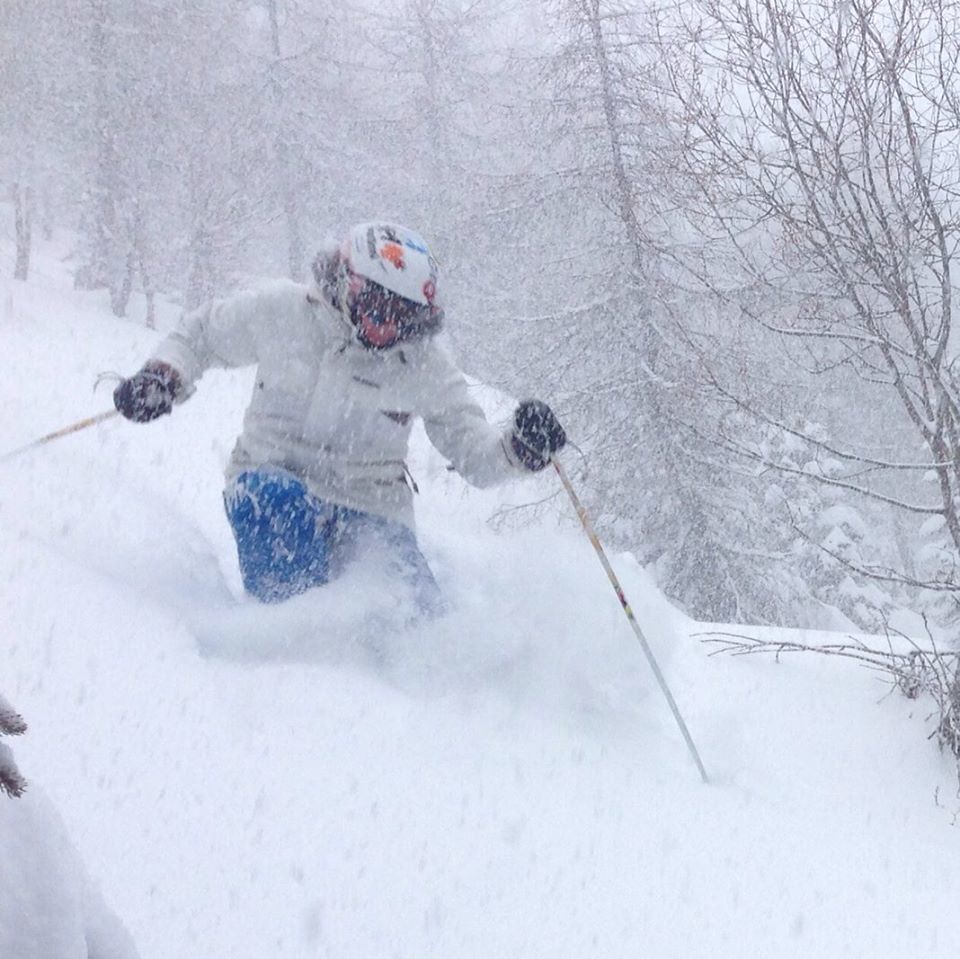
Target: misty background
717, 237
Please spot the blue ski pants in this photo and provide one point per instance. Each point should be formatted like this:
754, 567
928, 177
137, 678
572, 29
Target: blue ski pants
288, 541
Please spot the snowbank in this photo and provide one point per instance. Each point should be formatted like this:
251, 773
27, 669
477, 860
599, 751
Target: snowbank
504, 782
49, 908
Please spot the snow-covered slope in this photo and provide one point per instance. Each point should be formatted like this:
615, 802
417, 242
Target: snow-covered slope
505, 782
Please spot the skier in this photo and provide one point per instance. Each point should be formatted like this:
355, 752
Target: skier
318, 477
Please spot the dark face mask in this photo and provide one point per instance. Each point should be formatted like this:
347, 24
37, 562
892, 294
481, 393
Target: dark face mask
382, 318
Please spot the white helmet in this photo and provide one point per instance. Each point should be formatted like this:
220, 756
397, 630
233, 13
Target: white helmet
383, 279
395, 257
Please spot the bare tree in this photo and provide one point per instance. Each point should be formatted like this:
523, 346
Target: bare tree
592, 318
821, 154
105, 262
31, 119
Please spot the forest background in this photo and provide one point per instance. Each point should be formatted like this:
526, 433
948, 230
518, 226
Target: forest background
717, 236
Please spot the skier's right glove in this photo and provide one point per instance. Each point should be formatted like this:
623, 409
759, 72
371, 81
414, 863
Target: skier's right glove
537, 434
149, 393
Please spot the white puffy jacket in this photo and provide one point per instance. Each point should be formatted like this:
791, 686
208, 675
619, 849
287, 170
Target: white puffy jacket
331, 411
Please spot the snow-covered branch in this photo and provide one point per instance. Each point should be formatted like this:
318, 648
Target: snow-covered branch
11, 724
914, 669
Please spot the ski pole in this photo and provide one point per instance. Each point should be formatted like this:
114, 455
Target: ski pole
618, 589
66, 431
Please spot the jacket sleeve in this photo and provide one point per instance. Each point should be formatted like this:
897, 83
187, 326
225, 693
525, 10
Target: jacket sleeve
226, 333
456, 426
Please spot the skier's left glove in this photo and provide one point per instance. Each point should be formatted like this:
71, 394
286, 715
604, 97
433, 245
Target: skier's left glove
537, 434
149, 393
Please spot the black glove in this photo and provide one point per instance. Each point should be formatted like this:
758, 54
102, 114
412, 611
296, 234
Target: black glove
148, 394
537, 434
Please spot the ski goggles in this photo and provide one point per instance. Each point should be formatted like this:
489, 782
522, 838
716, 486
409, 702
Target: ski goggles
383, 318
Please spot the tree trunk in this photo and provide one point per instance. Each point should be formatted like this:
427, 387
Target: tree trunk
105, 263
23, 228
200, 279
122, 287
285, 150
